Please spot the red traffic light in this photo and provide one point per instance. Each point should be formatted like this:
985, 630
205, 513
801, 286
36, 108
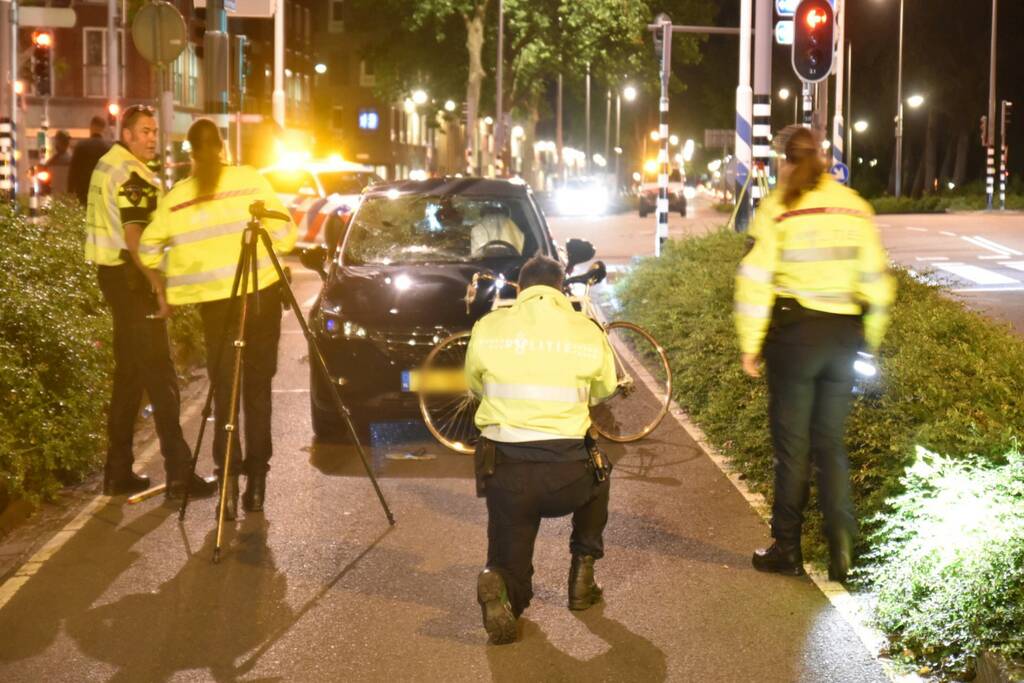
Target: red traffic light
816, 17
42, 39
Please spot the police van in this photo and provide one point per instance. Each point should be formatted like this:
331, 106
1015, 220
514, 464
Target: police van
321, 195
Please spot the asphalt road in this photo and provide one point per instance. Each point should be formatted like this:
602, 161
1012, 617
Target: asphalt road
319, 588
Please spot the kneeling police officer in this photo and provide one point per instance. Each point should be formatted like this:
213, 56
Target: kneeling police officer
537, 366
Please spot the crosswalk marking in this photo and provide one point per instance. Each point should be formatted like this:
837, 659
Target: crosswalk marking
976, 274
1002, 253
995, 246
947, 233
1016, 265
918, 229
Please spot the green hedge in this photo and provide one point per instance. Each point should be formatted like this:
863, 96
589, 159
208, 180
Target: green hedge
952, 378
941, 203
55, 362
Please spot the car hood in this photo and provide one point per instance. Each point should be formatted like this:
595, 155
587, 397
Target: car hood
418, 296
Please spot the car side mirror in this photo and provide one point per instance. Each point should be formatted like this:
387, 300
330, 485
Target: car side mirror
314, 258
579, 251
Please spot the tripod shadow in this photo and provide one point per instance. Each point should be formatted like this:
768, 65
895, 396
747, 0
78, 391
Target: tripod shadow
629, 657
204, 618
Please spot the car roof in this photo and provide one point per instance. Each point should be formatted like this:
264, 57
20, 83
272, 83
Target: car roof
467, 187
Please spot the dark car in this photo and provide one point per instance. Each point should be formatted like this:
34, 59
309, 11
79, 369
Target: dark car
648, 196
397, 285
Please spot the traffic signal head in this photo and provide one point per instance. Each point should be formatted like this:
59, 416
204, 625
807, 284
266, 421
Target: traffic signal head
813, 40
42, 46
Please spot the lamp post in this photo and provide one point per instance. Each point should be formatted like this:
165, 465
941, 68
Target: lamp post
899, 112
629, 92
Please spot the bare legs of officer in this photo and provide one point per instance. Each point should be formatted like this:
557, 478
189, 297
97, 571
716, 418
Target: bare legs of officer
519, 494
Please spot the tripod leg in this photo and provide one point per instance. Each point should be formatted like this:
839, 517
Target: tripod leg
218, 358
318, 357
249, 243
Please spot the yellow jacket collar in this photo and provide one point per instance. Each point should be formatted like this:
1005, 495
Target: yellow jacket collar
540, 291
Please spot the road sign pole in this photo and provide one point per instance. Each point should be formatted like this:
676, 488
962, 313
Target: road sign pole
838, 134
278, 99
744, 107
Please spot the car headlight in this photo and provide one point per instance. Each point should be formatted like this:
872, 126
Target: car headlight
335, 326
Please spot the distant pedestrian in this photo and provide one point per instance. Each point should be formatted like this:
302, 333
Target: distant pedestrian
537, 367
84, 157
812, 291
59, 163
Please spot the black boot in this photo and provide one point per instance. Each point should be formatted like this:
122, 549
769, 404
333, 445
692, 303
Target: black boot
780, 558
197, 487
840, 548
124, 483
255, 492
492, 594
583, 590
231, 504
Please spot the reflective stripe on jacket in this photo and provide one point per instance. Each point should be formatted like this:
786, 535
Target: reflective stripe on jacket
196, 241
537, 367
825, 252
121, 190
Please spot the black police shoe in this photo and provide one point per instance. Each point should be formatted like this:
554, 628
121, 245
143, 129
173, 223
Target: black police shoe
780, 559
231, 504
840, 556
499, 622
124, 484
583, 590
197, 487
255, 492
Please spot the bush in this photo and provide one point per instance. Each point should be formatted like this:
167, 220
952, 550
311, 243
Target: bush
942, 203
55, 362
948, 563
951, 377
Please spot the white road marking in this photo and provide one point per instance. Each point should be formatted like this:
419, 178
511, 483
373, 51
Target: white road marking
918, 229
33, 564
995, 246
963, 290
979, 243
976, 274
947, 233
992, 257
1016, 265
932, 258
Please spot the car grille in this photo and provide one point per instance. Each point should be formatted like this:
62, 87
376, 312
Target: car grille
408, 348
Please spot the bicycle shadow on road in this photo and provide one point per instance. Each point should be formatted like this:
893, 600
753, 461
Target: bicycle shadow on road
629, 657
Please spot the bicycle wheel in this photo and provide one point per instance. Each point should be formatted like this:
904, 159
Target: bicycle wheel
645, 385
449, 409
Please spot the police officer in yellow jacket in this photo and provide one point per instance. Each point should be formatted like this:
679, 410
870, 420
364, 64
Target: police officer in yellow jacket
195, 240
537, 366
123, 194
812, 290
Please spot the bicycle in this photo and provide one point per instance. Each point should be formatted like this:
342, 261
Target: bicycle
448, 407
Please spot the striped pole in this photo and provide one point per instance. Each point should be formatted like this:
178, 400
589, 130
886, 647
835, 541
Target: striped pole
8, 171
838, 131
762, 102
1002, 179
33, 195
990, 174
661, 212
1004, 150
808, 107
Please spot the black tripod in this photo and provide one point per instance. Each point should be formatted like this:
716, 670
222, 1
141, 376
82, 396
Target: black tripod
246, 272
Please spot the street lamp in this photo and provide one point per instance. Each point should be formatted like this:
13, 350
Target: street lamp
320, 68
629, 92
419, 96
449, 106
673, 139
784, 94
654, 136
860, 126
915, 101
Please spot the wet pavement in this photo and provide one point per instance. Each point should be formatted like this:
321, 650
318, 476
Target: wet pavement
320, 588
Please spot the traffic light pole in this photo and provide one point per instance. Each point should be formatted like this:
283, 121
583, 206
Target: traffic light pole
763, 43
838, 134
744, 107
990, 138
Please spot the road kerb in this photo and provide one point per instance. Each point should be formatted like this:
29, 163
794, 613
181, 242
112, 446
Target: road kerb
32, 565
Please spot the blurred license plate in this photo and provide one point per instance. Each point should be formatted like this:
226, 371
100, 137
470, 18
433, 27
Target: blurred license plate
441, 381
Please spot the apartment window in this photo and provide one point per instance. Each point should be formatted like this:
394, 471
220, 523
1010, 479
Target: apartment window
366, 74
185, 77
337, 11
94, 61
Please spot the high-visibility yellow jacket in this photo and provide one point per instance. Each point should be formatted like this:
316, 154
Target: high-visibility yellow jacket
196, 241
122, 190
537, 367
825, 252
